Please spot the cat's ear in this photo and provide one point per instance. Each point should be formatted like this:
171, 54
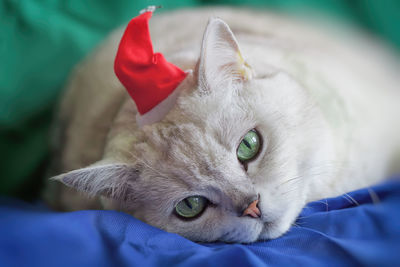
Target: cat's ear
113, 180
221, 63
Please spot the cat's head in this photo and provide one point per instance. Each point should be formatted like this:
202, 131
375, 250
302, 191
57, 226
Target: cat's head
235, 135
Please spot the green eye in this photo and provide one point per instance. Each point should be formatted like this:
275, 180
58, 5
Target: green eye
249, 146
191, 206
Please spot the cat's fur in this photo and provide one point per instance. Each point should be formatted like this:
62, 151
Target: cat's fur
324, 105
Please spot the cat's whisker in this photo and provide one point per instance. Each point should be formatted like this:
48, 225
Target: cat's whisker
294, 224
289, 180
350, 199
289, 191
325, 202
374, 197
322, 166
303, 217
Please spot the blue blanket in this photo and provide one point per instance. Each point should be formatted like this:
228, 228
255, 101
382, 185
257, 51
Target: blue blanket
361, 228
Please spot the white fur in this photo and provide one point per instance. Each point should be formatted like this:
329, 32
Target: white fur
324, 103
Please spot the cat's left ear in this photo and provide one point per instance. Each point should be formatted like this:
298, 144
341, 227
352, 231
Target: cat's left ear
221, 62
112, 180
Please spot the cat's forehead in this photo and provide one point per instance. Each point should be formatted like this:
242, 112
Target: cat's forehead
184, 135
204, 122
185, 152
223, 113
187, 143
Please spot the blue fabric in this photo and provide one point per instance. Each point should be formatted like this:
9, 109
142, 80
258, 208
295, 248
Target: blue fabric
332, 232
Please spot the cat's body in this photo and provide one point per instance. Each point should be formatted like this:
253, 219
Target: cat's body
325, 108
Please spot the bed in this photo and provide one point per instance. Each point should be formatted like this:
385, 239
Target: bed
361, 228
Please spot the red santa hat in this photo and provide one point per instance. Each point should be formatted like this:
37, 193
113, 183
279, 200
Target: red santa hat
148, 77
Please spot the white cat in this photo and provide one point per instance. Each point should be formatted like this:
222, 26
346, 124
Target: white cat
298, 113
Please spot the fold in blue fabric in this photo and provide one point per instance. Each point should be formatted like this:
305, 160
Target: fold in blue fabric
359, 228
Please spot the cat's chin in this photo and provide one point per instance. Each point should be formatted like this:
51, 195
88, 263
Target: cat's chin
266, 231
274, 230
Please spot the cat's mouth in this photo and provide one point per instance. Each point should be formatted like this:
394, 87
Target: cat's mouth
270, 231
274, 229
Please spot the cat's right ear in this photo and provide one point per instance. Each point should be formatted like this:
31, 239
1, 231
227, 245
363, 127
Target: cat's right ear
221, 62
112, 180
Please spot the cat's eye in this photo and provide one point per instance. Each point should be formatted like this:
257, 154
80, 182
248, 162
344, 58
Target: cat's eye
191, 207
249, 146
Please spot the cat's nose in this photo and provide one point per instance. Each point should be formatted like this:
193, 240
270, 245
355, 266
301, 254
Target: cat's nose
252, 210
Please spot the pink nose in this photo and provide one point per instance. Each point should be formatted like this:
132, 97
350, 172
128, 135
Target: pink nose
252, 210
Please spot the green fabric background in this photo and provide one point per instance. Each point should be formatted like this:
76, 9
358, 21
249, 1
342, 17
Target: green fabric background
40, 41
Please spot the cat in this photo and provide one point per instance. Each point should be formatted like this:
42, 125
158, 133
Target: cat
277, 112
